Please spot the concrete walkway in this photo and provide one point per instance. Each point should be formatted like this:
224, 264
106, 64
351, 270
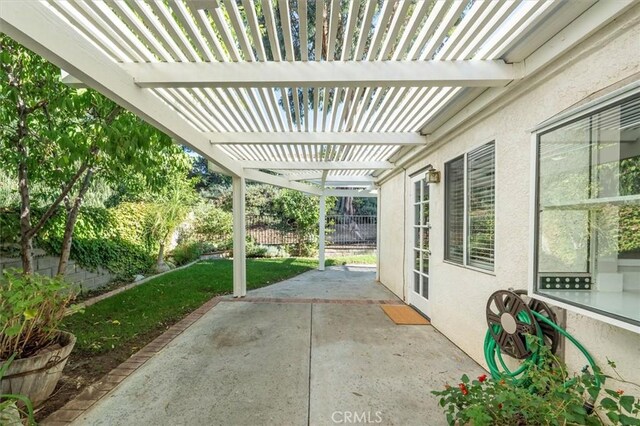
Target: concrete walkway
246, 363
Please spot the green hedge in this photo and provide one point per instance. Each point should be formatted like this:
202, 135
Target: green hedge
116, 239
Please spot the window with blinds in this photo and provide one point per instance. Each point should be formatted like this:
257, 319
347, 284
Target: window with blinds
481, 191
454, 210
470, 208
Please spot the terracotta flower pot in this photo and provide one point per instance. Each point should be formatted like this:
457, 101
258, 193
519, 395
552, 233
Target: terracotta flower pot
36, 377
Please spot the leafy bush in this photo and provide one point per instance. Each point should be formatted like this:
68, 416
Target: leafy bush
31, 309
185, 253
544, 395
212, 224
118, 239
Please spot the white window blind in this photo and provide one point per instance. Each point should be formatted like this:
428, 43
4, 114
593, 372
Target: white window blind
470, 208
454, 210
481, 191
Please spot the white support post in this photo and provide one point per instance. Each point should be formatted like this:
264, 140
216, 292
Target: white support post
239, 239
378, 224
321, 226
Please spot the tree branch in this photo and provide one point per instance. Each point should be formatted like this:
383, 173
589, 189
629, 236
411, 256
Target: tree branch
52, 208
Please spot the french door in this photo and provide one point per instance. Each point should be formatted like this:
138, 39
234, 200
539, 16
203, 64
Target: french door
420, 254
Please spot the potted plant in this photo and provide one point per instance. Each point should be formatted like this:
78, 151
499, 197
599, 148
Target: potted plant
31, 309
10, 412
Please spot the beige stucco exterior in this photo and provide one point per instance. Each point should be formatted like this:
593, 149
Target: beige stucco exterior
606, 61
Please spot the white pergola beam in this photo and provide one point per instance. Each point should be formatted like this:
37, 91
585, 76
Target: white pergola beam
34, 25
350, 193
487, 73
316, 138
318, 165
282, 182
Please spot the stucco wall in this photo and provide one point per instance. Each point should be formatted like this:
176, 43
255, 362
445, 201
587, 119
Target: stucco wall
391, 235
458, 295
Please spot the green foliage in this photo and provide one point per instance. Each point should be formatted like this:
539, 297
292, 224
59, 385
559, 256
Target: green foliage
212, 224
31, 309
151, 307
186, 252
545, 395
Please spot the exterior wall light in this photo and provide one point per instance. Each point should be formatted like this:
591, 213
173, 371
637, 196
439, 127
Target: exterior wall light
433, 176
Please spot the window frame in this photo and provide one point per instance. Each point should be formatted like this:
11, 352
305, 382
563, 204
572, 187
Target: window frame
465, 228
596, 106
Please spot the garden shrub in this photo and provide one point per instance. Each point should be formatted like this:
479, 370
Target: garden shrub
186, 253
212, 224
116, 239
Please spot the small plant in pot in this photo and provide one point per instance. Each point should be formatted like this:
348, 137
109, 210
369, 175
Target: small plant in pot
31, 310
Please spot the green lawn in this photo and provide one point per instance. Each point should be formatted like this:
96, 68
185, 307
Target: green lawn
126, 318
359, 259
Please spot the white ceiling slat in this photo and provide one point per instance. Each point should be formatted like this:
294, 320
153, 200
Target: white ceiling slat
214, 114
528, 15
320, 11
334, 20
380, 29
337, 106
256, 34
177, 104
316, 102
166, 19
121, 43
392, 95
184, 17
413, 96
240, 29
357, 102
354, 9
229, 100
187, 100
258, 107
223, 29
445, 25
423, 103
275, 108
285, 21
126, 14
326, 96
270, 24
369, 92
239, 99
107, 46
302, 25
497, 19
433, 108
428, 28
387, 109
365, 28
471, 18
305, 103
265, 106
445, 99
296, 107
373, 105
286, 102
222, 105
153, 24
420, 11
105, 12
399, 19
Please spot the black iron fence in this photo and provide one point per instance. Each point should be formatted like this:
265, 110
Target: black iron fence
359, 231
351, 231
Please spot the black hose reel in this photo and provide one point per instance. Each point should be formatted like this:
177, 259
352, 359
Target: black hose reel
510, 319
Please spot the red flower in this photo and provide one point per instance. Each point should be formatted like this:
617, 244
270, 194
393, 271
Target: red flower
463, 388
502, 382
500, 406
619, 391
482, 378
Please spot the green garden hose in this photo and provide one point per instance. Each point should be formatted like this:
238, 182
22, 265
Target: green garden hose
499, 369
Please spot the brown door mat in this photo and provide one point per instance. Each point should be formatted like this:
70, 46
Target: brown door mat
404, 315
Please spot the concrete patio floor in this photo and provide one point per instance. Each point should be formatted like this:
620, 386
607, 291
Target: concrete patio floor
247, 363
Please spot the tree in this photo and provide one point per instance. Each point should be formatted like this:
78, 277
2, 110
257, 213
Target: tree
64, 138
171, 208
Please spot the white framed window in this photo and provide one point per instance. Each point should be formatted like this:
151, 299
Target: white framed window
587, 210
470, 208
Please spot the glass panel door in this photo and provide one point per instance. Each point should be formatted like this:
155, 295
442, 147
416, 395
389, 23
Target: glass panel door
419, 294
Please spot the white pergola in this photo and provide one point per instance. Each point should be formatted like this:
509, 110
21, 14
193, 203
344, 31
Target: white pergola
264, 96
